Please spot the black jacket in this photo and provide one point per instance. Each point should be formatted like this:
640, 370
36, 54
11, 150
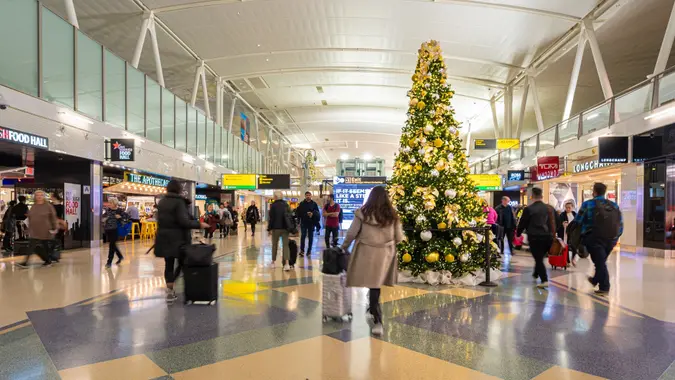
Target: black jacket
537, 221
505, 216
20, 211
277, 217
173, 226
563, 218
301, 213
252, 215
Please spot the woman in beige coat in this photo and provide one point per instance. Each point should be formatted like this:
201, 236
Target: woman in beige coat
376, 230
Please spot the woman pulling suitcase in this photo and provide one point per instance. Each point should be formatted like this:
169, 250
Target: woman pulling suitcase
173, 233
376, 230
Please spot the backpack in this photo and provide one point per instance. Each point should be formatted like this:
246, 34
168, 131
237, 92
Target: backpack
606, 220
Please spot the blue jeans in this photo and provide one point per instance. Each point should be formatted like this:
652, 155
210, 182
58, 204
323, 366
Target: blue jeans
599, 250
307, 231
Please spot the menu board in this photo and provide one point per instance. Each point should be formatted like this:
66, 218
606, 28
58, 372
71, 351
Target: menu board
239, 181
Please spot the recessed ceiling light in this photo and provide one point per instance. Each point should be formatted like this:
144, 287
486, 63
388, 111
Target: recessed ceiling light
344, 156
367, 156
258, 45
267, 59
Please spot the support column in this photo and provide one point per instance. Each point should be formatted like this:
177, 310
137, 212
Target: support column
195, 84
96, 178
495, 122
537, 106
508, 112
257, 132
597, 58
468, 140
574, 78
219, 102
141, 40
72, 15
666, 44
205, 93
155, 51
148, 26
523, 106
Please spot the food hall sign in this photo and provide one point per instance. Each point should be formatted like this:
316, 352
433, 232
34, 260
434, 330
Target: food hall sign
589, 165
23, 138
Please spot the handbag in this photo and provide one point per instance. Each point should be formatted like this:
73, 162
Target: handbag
123, 229
199, 255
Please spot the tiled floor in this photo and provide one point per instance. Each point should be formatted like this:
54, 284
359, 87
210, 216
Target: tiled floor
79, 321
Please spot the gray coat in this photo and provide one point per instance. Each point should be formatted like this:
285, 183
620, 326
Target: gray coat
373, 262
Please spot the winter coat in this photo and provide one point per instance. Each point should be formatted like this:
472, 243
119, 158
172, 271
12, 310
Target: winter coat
373, 262
491, 215
110, 223
173, 226
252, 215
42, 220
278, 216
506, 217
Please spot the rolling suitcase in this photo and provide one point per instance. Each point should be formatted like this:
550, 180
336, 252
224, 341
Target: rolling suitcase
293, 252
559, 261
337, 297
199, 255
21, 247
201, 284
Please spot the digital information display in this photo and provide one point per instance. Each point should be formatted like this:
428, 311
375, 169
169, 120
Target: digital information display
352, 192
515, 175
487, 182
613, 149
239, 181
274, 181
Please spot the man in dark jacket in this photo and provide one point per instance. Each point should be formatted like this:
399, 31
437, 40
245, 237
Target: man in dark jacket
8, 226
173, 233
252, 216
278, 228
308, 214
539, 219
507, 219
20, 212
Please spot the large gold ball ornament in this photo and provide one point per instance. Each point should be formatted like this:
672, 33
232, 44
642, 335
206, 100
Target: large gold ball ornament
418, 167
420, 105
406, 258
442, 226
432, 257
438, 143
413, 102
449, 258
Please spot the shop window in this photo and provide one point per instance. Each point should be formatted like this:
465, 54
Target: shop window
19, 58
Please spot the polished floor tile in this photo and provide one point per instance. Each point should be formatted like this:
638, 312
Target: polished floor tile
136, 367
560, 373
464, 292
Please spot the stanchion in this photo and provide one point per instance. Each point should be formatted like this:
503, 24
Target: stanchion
488, 256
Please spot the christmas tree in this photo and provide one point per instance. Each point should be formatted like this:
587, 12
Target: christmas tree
430, 187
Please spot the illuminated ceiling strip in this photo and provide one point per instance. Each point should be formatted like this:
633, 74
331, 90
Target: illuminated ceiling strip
471, 3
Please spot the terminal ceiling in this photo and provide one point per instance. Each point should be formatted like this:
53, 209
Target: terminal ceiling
333, 74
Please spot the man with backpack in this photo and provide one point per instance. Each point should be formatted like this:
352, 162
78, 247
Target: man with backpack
601, 226
540, 221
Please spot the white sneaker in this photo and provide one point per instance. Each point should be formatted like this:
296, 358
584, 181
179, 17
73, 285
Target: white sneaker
543, 285
171, 296
287, 267
377, 329
273, 265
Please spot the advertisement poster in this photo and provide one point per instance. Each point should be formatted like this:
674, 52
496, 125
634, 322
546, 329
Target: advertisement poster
352, 192
72, 204
245, 127
561, 194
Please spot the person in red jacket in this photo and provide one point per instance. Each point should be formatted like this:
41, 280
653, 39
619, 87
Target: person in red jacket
332, 213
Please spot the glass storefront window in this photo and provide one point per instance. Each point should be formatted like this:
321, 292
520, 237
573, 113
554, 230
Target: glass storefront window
89, 77
19, 19
115, 106
135, 101
153, 110
168, 128
58, 77
181, 125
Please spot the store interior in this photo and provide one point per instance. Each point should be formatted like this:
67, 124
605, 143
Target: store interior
115, 185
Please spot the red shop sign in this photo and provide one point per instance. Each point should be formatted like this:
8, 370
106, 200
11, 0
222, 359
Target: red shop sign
548, 167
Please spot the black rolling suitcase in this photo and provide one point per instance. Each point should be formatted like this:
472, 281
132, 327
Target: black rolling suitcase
293, 252
201, 284
21, 247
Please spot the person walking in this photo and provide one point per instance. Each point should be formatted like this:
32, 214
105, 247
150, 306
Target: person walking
42, 225
539, 220
277, 227
331, 212
566, 217
252, 216
307, 213
58, 242
225, 220
210, 218
507, 219
173, 233
20, 212
375, 231
8, 227
114, 217
601, 227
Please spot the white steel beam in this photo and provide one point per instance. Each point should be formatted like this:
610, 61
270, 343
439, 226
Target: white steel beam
219, 102
495, 122
257, 132
508, 112
597, 58
468, 139
229, 124
537, 106
72, 15
666, 44
574, 78
205, 93
155, 51
141, 40
195, 84
523, 106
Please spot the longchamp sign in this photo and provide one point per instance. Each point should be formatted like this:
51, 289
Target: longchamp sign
23, 138
589, 165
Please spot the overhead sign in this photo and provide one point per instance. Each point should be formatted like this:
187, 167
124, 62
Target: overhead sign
589, 165
613, 149
359, 180
548, 167
143, 179
239, 181
492, 144
23, 138
274, 181
487, 182
122, 149
200, 197
515, 175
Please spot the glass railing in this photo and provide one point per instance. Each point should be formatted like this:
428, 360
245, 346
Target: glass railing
49, 58
643, 97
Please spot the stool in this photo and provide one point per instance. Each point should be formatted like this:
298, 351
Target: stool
135, 227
